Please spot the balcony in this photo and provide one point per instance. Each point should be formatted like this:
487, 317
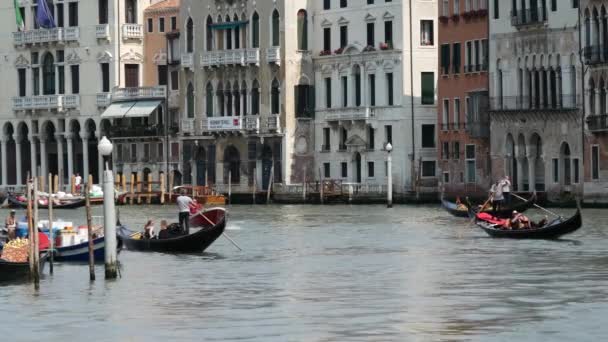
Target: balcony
597, 123
273, 55
478, 129
188, 126
46, 102
187, 60
348, 114
132, 31
174, 99
274, 123
122, 94
103, 99
224, 58
595, 54
529, 17
102, 31
45, 36
252, 123
253, 56
136, 132
234, 57
325, 148
526, 103
224, 124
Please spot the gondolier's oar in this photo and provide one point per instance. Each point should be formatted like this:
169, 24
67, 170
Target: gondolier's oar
483, 207
224, 234
536, 205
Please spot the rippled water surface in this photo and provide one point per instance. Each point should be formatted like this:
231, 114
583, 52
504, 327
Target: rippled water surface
333, 273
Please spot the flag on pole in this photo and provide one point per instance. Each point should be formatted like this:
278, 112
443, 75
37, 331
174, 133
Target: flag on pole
18, 17
44, 16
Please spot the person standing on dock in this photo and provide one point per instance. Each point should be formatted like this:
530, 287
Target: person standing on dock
11, 225
184, 203
77, 182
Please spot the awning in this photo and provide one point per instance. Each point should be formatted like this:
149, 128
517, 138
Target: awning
142, 109
117, 110
228, 25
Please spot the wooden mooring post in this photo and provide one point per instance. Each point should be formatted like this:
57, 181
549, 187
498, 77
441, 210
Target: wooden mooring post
91, 247
51, 233
132, 190
270, 182
162, 188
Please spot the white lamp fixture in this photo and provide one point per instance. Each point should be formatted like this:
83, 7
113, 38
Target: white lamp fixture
389, 147
105, 146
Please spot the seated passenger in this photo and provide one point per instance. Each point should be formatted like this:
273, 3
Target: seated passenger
543, 222
149, 230
164, 232
519, 221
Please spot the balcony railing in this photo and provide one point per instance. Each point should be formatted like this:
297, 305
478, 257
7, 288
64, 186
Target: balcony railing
187, 60
135, 132
229, 58
252, 123
478, 129
596, 54
188, 126
41, 36
510, 103
121, 94
132, 31
598, 123
102, 31
103, 99
534, 16
253, 56
348, 113
274, 123
46, 102
273, 55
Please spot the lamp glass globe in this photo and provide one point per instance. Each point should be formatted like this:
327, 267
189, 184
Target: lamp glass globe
105, 146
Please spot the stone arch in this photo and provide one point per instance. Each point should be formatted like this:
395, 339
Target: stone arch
536, 158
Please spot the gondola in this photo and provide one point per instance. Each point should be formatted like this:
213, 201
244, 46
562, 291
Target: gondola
191, 243
552, 230
452, 208
12, 271
67, 204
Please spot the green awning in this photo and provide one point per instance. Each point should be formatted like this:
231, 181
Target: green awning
228, 25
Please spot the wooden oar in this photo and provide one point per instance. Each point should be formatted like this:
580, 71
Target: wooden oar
482, 209
223, 233
536, 205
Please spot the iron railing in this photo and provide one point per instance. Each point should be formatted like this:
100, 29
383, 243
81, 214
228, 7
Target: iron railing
563, 102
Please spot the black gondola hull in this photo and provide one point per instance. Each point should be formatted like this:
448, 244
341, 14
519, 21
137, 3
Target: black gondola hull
551, 231
76, 203
17, 271
451, 207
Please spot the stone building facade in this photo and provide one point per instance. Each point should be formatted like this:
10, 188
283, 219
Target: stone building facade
536, 126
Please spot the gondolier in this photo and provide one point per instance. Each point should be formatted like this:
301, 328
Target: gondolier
184, 203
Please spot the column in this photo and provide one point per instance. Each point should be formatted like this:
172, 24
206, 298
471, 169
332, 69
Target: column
364, 93
18, 158
520, 173
532, 173
533, 81
33, 158
558, 87
600, 44
68, 139
100, 166
43, 157
567, 92
3, 142
60, 167
85, 155
598, 105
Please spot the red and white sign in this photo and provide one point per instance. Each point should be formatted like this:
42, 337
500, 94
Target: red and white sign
224, 123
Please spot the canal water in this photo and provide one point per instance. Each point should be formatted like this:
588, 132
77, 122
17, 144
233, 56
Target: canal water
329, 273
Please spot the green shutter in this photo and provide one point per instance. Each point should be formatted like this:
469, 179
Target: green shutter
428, 88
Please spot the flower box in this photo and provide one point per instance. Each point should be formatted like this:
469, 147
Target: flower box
325, 53
455, 17
369, 48
339, 51
443, 19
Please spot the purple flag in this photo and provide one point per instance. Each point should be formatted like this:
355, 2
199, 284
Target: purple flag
44, 18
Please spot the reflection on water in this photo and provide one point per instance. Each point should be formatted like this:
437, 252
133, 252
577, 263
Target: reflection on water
333, 273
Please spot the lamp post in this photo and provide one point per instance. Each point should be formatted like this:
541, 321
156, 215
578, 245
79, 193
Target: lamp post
389, 176
109, 211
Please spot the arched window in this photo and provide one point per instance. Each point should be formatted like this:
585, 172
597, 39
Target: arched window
237, 34
209, 99
228, 97
276, 19
255, 98
48, 74
237, 99
243, 29
244, 97
274, 97
209, 34
228, 35
190, 101
255, 30
220, 99
302, 30
189, 36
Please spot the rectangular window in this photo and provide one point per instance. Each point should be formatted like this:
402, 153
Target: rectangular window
173, 23
555, 162
103, 11
388, 134
61, 79
427, 37
174, 80
105, 77
370, 169
343, 3
73, 14
554, 5
75, 72
344, 167
372, 90
36, 81
428, 168
445, 150
445, 59
576, 171
445, 124
327, 39
326, 170
22, 82
456, 114
326, 139
484, 54
344, 91
456, 57
343, 36
469, 57
428, 136
59, 15
370, 138
150, 25
326, 4
343, 138
389, 89
328, 92
477, 51
388, 33
595, 162
496, 13
428, 88
456, 7
446, 178
370, 34
133, 152
162, 75
161, 24
470, 163
456, 150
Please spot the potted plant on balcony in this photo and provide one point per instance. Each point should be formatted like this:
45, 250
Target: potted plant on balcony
482, 12
455, 18
385, 46
468, 15
444, 18
325, 53
339, 51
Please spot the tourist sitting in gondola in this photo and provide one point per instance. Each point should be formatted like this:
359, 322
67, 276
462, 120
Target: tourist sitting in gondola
520, 221
460, 205
149, 230
164, 232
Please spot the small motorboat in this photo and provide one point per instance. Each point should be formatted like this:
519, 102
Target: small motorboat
80, 252
211, 225
560, 226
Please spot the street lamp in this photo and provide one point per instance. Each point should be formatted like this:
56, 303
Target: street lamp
105, 148
389, 170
